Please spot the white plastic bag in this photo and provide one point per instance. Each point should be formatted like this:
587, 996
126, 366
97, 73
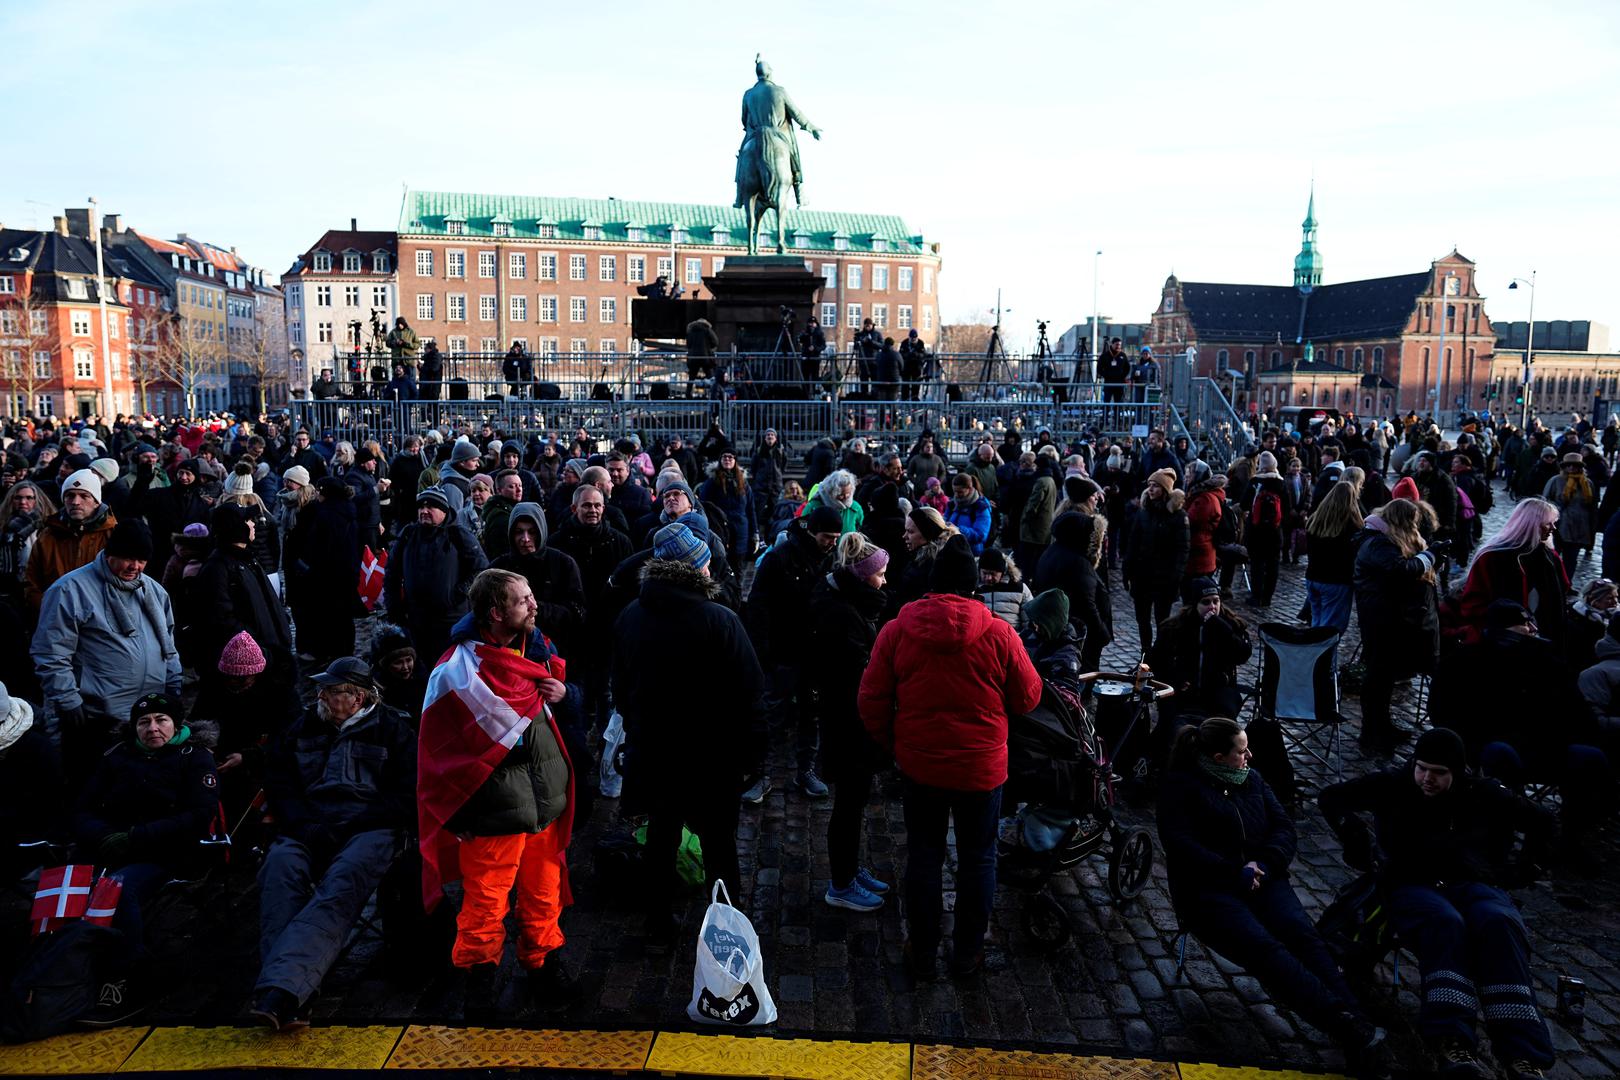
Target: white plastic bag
609, 780
728, 980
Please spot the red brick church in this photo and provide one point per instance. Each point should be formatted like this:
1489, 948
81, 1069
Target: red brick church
1367, 347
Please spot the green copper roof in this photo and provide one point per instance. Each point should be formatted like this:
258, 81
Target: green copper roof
1310, 210
424, 213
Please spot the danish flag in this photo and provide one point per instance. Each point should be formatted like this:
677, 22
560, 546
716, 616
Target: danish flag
63, 895
103, 901
372, 570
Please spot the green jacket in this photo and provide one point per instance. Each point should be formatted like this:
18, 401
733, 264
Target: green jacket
497, 520
985, 473
854, 513
527, 791
1036, 526
403, 343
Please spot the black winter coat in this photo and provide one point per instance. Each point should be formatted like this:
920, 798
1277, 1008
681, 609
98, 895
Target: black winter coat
1066, 564
1200, 658
231, 594
780, 597
404, 472
1209, 830
558, 590
322, 553
430, 570
843, 615
1399, 621
367, 512
1156, 544
165, 799
349, 781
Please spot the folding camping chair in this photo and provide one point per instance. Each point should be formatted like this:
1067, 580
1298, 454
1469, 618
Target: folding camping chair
1299, 685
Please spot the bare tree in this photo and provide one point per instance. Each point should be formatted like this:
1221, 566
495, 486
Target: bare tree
25, 340
154, 352
264, 354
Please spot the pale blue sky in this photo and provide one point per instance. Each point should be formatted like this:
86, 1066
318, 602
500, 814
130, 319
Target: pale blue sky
1176, 135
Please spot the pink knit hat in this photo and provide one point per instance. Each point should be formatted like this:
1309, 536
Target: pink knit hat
242, 656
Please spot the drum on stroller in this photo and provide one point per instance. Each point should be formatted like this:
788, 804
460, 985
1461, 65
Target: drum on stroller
1062, 771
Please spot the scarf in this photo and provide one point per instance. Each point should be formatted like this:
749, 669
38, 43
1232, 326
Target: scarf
146, 599
1223, 774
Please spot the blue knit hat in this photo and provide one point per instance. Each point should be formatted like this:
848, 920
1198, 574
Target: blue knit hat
676, 543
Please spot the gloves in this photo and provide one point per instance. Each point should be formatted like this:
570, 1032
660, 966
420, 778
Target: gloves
113, 849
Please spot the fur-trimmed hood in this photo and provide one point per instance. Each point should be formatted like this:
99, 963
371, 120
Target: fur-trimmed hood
666, 573
204, 733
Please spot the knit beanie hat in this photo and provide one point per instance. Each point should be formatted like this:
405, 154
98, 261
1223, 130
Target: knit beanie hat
1201, 587
1406, 488
1165, 478
106, 468
434, 496
147, 704
679, 485
824, 519
1077, 489
926, 524
130, 539
229, 526
993, 560
240, 482
298, 475
83, 480
676, 543
955, 570
463, 451
1048, 613
241, 656
1444, 747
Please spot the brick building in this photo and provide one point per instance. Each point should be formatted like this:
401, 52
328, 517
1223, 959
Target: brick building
1384, 331
332, 291
477, 272
1574, 369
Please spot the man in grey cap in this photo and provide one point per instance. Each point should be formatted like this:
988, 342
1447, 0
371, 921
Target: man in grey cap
341, 782
430, 569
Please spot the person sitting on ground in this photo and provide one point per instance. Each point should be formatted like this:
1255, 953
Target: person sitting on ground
1002, 588
394, 667
340, 782
1440, 843
144, 815
1518, 563
1198, 651
1587, 619
1227, 846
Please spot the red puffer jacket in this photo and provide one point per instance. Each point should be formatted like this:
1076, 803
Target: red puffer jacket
943, 678
1203, 518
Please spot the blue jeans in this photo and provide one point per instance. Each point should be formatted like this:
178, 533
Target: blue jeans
928, 812
1330, 604
1474, 953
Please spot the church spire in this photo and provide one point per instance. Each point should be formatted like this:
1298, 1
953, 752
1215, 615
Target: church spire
1308, 263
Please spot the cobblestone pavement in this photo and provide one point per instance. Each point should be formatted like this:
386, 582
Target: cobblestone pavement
1112, 989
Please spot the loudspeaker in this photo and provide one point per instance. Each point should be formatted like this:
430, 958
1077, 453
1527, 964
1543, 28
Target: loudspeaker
660, 391
953, 392
548, 391
458, 389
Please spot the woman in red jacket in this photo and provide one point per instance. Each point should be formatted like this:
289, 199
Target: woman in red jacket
944, 677
1204, 503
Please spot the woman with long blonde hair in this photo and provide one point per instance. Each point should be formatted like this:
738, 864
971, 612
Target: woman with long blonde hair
1518, 563
1400, 624
1332, 533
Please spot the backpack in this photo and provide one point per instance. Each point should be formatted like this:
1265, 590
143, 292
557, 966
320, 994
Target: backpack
1229, 530
59, 980
1267, 511
1356, 927
1465, 506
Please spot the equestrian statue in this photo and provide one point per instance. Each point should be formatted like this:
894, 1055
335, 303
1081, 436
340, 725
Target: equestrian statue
769, 157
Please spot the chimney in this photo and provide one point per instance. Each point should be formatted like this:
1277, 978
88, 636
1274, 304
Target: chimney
78, 220
61, 225
113, 223
354, 224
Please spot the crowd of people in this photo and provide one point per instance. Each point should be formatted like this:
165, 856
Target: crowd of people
183, 600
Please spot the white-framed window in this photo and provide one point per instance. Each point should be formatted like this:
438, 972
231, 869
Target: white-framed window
379, 296
112, 362
880, 243
721, 234
928, 279
455, 227
424, 306
576, 268
666, 266
548, 309
719, 263
455, 264
636, 234
42, 406
519, 341
323, 296
323, 332
9, 323
517, 308
501, 228
486, 264
517, 265
904, 315
546, 229
694, 271
424, 263
928, 318
81, 324
455, 307
840, 243
852, 276
829, 274
829, 315
880, 316
853, 316
608, 346
487, 309
607, 310
351, 295
607, 267
8, 285
591, 232
576, 349
379, 262
76, 289
14, 362
323, 262
295, 332
42, 363
488, 345
112, 325
576, 309
546, 263
84, 364
880, 277
548, 350
456, 345
677, 234
636, 269
351, 262
801, 240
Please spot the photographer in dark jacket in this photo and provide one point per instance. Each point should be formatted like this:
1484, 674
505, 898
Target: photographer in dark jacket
1440, 843
431, 368
812, 343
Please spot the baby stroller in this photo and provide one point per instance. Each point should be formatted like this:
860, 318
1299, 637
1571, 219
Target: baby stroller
1062, 770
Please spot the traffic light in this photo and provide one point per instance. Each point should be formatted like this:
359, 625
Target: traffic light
1519, 400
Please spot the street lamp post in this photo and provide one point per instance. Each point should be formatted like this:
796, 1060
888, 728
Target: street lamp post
108, 407
1527, 373
1440, 358
1094, 262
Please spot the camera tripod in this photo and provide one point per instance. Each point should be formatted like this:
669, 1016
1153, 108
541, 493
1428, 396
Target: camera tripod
995, 368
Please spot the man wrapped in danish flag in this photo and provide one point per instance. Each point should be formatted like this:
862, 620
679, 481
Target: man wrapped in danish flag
495, 791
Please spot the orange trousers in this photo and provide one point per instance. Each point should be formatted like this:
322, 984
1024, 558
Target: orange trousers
490, 866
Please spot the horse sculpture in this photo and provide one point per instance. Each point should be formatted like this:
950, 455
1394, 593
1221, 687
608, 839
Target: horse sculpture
768, 159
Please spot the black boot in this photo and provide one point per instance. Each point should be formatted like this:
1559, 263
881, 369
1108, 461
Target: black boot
551, 988
478, 1008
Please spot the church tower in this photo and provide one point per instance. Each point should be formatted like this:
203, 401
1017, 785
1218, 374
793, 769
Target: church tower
1308, 263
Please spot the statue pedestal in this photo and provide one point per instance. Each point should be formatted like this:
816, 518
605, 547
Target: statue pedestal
750, 292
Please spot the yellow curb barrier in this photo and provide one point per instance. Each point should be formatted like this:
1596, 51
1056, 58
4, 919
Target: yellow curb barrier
76, 1054
186, 1049
934, 1062
434, 1047
679, 1052
1200, 1071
